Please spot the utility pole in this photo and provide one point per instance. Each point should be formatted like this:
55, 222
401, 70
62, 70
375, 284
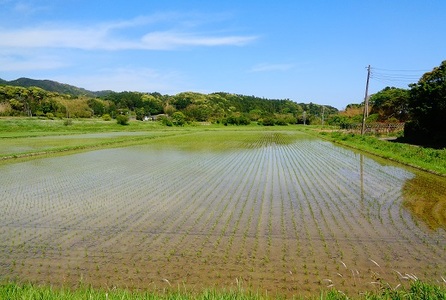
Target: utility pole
366, 101
323, 110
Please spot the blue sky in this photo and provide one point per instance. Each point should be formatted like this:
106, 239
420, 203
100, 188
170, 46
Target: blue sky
307, 51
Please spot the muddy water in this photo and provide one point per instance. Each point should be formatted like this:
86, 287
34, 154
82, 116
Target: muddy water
286, 218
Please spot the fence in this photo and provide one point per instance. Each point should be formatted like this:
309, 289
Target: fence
374, 128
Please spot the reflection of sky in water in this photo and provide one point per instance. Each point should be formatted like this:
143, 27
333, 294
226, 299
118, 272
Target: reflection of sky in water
331, 170
30, 144
95, 135
321, 199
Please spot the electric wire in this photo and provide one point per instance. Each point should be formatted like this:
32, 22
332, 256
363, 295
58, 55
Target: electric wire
396, 77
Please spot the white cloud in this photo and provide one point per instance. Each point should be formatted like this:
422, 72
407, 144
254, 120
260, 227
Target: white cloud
265, 67
171, 40
112, 36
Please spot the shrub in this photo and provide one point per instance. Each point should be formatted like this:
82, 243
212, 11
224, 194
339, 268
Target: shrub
68, 122
165, 121
267, 121
106, 117
122, 119
178, 118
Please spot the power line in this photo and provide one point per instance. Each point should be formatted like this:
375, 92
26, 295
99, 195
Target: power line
390, 70
400, 77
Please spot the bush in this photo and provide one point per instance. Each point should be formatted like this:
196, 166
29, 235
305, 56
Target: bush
122, 120
178, 118
165, 121
68, 122
236, 120
267, 121
106, 117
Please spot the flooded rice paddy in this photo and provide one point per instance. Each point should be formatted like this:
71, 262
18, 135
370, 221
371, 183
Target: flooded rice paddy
281, 212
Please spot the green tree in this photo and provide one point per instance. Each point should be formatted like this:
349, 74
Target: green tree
390, 103
122, 119
97, 106
427, 108
178, 118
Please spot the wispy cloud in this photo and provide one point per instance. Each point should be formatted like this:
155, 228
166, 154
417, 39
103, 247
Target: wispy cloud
171, 40
22, 7
267, 67
111, 36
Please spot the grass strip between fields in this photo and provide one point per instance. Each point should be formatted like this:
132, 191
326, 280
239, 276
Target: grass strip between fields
426, 159
64, 150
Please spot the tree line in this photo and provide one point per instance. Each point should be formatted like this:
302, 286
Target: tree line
422, 107
225, 108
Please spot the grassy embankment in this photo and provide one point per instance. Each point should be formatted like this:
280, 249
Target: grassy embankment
417, 290
427, 159
25, 138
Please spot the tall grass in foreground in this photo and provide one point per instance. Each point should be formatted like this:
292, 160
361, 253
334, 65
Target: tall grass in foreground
417, 290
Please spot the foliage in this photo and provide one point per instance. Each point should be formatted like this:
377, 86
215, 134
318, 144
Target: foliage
98, 107
68, 122
165, 120
178, 118
236, 120
427, 107
390, 103
215, 107
122, 119
52, 86
106, 117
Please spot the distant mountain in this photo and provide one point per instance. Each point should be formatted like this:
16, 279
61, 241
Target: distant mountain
54, 86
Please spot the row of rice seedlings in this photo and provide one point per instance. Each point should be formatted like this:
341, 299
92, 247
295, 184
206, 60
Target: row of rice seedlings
257, 211
212, 207
276, 214
305, 245
234, 198
191, 194
392, 197
244, 196
253, 198
324, 195
358, 221
281, 178
312, 194
253, 193
304, 267
329, 187
324, 198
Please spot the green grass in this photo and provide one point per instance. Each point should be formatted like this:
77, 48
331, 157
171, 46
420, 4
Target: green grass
12, 291
26, 138
427, 159
28, 127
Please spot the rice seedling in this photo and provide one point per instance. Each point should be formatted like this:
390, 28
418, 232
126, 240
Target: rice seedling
253, 204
